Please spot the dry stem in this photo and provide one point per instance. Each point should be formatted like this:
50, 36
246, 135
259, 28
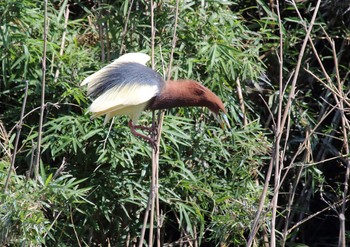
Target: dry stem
153, 199
42, 108
281, 122
19, 128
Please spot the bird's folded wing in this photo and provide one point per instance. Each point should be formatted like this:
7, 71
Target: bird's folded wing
122, 97
140, 58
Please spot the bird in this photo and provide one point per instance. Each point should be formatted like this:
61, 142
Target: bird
128, 87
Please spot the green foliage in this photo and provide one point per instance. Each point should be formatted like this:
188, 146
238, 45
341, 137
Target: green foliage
210, 179
34, 212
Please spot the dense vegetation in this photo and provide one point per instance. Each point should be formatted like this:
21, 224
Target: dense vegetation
278, 177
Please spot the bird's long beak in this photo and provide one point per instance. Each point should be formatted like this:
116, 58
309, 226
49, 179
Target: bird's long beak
223, 120
224, 117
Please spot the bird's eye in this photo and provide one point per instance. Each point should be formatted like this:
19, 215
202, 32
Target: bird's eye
198, 91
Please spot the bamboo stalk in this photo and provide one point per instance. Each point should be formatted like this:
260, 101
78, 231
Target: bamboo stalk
345, 127
153, 200
66, 15
241, 102
281, 122
278, 132
122, 46
42, 107
151, 197
154, 183
19, 128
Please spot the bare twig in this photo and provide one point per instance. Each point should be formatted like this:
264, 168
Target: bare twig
154, 196
281, 122
60, 169
56, 105
278, 132
122, 46
293, 187
345, 125
108, 43
342, 239
314, 215
298, 65
173, 43
160, 122
154, 183
53, 223
32, 158
268, 108
101, 32
275, 153
108, 133
73, 225
66, 15
241, 102
155, 155
303, 145
42, 108
4, 140
288, 106
330, 87
19, 128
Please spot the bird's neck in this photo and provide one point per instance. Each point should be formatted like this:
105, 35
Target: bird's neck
184, 93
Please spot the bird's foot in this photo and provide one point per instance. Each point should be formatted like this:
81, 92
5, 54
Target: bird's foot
151, 130
152, 139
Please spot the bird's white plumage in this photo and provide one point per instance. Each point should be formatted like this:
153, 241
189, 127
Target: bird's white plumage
126, 99
129, 100
136, 57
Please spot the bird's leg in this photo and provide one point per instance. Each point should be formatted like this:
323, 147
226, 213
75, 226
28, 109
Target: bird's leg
155, 124
133, 128
141, 127
152, 130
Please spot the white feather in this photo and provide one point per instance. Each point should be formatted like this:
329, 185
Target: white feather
133, 57
136, 57
134, 112
125, 100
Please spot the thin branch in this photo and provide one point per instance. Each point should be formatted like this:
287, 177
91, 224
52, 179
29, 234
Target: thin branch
32, 158
66, 15
314, 215
108, 43
19, 128
294, 187
73, 225
161, 118
108, 133
279, 130
330, 87
344, 121
151, 197
42, 108
60, 169
298, 65
4, 140
155, 160
100, 32
268, 108
275, 153
154, 196
160, 122
57, 105
173, 43
52, 224
281, 121
122, 46
241, 102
